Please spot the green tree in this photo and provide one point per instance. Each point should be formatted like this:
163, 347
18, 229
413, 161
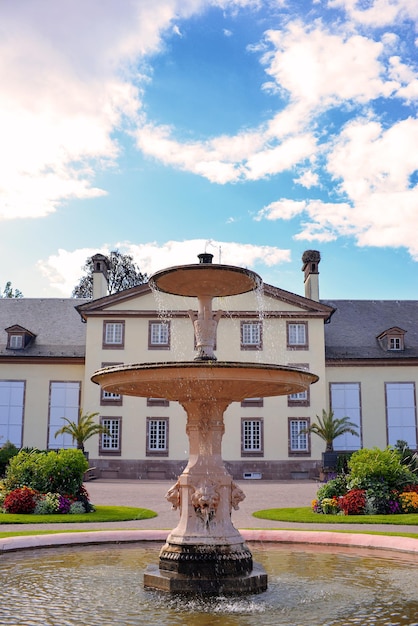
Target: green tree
82, 430
123, 274
329, 428
9, 292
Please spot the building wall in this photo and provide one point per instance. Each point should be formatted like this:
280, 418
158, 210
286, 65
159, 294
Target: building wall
37, 378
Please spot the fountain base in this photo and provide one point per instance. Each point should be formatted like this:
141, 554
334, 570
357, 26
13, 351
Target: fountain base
173, 582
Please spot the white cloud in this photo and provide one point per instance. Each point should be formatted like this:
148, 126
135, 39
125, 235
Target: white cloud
68, 82
64, 269
307, 179
322, 68
378, 12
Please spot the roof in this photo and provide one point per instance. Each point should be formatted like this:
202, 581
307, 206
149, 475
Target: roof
354, 328
55, 322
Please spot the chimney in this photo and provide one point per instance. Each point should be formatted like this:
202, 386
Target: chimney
310, 260
100, 275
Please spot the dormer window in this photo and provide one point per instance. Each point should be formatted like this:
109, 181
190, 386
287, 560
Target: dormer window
18, 337
393, 339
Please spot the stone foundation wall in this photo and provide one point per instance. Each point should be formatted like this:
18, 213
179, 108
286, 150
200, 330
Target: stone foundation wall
297, 469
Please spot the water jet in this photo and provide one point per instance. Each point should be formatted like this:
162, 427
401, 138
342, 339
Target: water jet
205, 553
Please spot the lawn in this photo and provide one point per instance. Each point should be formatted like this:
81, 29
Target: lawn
101, 514
306, 515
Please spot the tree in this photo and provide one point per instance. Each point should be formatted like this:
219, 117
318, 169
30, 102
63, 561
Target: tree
82, 430
8, 291
123, 274
329, 428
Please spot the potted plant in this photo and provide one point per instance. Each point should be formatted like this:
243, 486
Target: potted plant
82, 430
329, 428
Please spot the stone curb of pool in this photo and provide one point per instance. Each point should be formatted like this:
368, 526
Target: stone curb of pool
356, 540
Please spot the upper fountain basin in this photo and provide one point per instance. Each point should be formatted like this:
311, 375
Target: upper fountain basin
205, 279
214, 380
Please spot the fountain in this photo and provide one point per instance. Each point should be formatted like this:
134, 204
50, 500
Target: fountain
205, 554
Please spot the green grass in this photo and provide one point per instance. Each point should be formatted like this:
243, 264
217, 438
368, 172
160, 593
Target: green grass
306, 515
101, 514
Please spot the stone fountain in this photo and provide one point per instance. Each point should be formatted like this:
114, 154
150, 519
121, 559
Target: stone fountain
205, 553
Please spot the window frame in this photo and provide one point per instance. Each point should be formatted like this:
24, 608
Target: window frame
159, 346
117, 399
103, 451
7, 409
111, 345
402, 409
297, 452
252, 452
258, 345
355, 414
297, 346
71, 411
301, 401
160, 451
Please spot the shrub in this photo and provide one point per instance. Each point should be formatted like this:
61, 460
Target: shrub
353, 502
375, 464
47, 472
7, 451
22, 500
76, 508
333, 488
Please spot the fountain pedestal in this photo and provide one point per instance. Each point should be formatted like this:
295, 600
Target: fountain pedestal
205, 553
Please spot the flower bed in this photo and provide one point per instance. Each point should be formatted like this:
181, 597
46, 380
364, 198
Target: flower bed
377, 483
28, 500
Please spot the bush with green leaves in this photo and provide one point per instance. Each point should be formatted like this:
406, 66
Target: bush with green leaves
47, 472
7, 451
378, 465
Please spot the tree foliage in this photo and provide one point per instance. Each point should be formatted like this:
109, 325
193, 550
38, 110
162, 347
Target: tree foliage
82, 430
329, 428
9, 292
123, 274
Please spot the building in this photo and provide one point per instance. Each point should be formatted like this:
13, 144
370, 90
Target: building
364, 352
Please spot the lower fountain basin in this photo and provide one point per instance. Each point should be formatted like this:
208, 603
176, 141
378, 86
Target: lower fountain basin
100, 585
217, 380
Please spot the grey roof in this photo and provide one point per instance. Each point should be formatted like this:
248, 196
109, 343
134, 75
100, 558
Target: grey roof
355, 325
55, 322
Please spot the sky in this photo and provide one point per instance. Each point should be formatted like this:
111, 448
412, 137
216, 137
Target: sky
250, 129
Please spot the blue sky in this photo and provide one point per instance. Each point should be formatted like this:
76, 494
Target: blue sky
254, 129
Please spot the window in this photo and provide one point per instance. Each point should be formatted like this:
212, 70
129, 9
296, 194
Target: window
157, 436
108, 398
159, 336
298, 399
113, 334
345, 401
157, 402
297, 336
111, 443
251, 336
12, 398
401, 414
302, 398
16, 342
252, 437
248, 402
64, 401
395, 343
298, 443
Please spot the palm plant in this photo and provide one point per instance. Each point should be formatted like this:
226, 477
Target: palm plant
82, 430
330, 427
